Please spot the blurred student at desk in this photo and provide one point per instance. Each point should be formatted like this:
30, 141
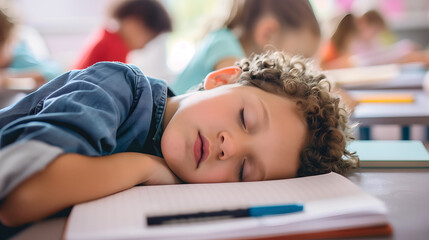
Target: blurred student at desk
132, 24
367, 41
20, 68
336, 52
289, 26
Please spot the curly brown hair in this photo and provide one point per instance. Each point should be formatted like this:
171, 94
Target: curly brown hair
296, 78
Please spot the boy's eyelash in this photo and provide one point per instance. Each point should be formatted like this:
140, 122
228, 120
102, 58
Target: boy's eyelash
243, 122
240, 174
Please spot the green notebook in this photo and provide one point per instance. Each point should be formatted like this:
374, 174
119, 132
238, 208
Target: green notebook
374, 153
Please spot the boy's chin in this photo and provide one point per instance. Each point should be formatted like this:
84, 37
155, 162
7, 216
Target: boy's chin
174, 165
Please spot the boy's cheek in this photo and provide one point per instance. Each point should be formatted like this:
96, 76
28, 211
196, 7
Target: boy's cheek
172, 147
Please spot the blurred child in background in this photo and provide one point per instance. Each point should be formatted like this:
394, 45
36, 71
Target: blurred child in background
367, 41
337, 51
377, 44
133, 24
374, 31
290, 26
17, 61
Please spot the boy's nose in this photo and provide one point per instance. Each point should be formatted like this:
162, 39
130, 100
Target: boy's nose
228, 148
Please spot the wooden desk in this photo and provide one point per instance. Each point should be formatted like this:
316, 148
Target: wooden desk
405, 192
393, 113
404, 114
9, 97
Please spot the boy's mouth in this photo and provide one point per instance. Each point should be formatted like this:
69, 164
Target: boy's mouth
201, 149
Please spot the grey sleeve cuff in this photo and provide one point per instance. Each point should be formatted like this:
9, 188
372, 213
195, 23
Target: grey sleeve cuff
21, 160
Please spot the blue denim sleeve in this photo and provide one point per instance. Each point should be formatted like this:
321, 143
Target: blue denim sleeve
80, 111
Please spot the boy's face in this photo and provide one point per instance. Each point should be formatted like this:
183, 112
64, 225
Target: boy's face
234, 133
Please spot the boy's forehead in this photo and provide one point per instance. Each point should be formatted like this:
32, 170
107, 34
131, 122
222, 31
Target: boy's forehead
247, 91
240, 87
230, 88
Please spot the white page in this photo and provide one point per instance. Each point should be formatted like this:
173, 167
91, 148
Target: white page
123, 215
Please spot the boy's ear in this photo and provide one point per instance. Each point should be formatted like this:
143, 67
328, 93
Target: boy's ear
221, 77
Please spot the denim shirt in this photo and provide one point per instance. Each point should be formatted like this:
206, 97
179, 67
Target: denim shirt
107, 108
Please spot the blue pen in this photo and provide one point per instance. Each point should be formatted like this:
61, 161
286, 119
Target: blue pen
254, 211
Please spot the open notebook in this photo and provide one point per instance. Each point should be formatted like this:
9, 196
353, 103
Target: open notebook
363, 75
332, 204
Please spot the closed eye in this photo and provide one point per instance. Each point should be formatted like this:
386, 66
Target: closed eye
243, 120
240, 174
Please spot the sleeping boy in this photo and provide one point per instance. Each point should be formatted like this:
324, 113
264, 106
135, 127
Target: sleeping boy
94, 132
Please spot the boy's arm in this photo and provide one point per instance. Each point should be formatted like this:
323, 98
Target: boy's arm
74, 178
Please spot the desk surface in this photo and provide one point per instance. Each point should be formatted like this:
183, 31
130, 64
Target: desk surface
408, 79
393, 113
405, 192
9, 97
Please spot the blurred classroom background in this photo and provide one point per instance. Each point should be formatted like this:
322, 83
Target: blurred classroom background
66, 25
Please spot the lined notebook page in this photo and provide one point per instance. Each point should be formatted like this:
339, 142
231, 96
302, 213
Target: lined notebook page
323, 195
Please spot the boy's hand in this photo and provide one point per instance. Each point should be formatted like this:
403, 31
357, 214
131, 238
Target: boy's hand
160, 173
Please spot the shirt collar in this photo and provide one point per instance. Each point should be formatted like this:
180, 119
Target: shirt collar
159, 102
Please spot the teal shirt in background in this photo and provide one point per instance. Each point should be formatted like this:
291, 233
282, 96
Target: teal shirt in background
218, 45
24, 60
